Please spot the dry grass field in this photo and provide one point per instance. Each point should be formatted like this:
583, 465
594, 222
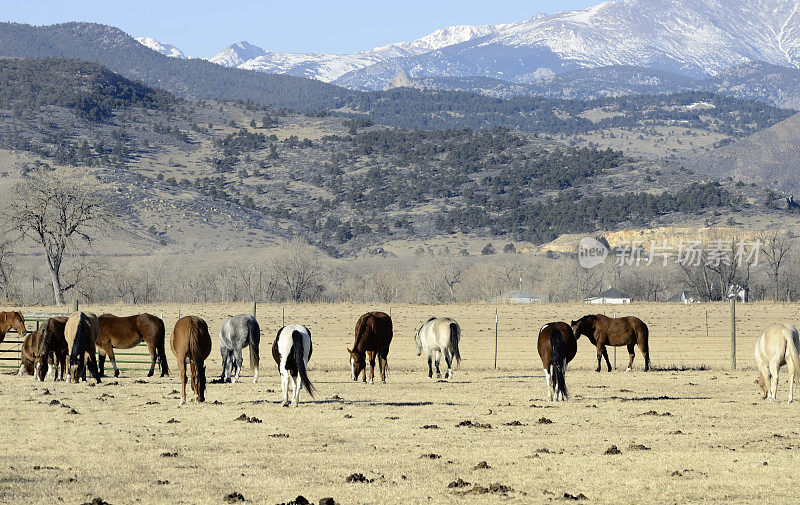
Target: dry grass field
690, 431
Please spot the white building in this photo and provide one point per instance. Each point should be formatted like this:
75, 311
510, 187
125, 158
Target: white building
610, 296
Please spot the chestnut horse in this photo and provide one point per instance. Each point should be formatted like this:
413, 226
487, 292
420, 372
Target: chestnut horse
373, 335
81, 333
28, 353
191, 341
614, 331
11, 321
557, 346
127, 332
53, 344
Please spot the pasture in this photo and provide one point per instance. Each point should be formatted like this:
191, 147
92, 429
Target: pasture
691, 430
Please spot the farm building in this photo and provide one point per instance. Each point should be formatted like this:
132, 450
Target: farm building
683, 297
518, 296
611, 296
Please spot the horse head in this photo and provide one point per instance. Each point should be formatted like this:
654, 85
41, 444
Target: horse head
584, 326
199, 382
76, 366
358, 362
45, 346
18, 323
418, 341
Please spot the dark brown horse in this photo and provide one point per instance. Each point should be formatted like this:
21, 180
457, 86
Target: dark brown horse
53, 347
557, 346
81, 333
191, 341
373, 335
127, 332
11, 321
603, 331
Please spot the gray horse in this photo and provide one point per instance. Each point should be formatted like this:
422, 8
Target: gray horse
236, 333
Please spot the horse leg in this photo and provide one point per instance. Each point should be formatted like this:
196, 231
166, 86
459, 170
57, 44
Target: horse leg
298, 384
791, 387
643, 348
549, 383
605, 355
631, 348
430, 366
382, 359
774, 370
438, 359
194, 381
448, 358
285, 387
371, 367
113, 359
237, 364
101, 364
63, 359
600, 350
182, 369
92, 366
151, 346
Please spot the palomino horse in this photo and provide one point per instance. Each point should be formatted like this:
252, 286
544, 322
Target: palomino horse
127, 332
373, 335
439, 335
616, 332
11, 321
777, 346
191, 341
236, 333
557, 346
81, 333
291, 351
53, 344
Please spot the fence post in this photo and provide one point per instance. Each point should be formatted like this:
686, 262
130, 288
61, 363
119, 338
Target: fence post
495, 338
615, 348
283, 319
254, 308
75, 305
733, 333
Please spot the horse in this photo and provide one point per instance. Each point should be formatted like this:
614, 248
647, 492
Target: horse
777, 346
439, 335
30, 346
292, 350
614, 331
557, 346
53, 343
191, 341
127, 332
11, 321
236, 333
373, 335
81, 333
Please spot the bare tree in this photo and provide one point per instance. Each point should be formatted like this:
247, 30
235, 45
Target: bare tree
54, 209
299, 269
775, 249
6, 266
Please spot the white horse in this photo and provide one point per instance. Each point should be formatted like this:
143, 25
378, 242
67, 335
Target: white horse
439, 335
292, 350
777, 346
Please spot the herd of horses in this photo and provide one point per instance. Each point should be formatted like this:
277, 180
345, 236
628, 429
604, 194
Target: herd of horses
45, 350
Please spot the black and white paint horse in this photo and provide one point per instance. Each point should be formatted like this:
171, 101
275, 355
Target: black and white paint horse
292, 350
439, 336
236, 333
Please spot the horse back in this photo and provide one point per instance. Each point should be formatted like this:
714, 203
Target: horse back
373, 332
567, 336
190, 337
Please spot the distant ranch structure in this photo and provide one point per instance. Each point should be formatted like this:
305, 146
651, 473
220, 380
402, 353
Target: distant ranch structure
611, 296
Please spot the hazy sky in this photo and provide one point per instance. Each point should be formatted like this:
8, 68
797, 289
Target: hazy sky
201, 28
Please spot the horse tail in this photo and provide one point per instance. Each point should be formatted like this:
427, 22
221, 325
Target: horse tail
81, 341
255, 339
794, 359
160, 337
455, 336
558, 359
297, 348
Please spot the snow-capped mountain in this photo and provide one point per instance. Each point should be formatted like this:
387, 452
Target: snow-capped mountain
161, 47
696, 38
327, 67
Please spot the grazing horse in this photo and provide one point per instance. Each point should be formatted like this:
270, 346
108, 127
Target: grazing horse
11, 321
191, 341
53, 343
373, 335
439, 335
127, 332
28, 353
81, 333
236, 333
291, 351
777, 346
614, 331
557, 346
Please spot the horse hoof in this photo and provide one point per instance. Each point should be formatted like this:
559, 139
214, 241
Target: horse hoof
372, 382
628, 369
438, 376
116, 374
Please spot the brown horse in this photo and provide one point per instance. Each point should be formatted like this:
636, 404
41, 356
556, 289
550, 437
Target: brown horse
53, 344
127, 332
11, 321
81, 333
557, 346
28, 352
616, 332
373, 335
190, 340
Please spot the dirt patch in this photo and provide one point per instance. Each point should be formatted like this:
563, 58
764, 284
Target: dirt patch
482, 466
431, 427
470, 424
458, 483
430, 456
544, 420
248, 419
613, 450
358, 477
234, 497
